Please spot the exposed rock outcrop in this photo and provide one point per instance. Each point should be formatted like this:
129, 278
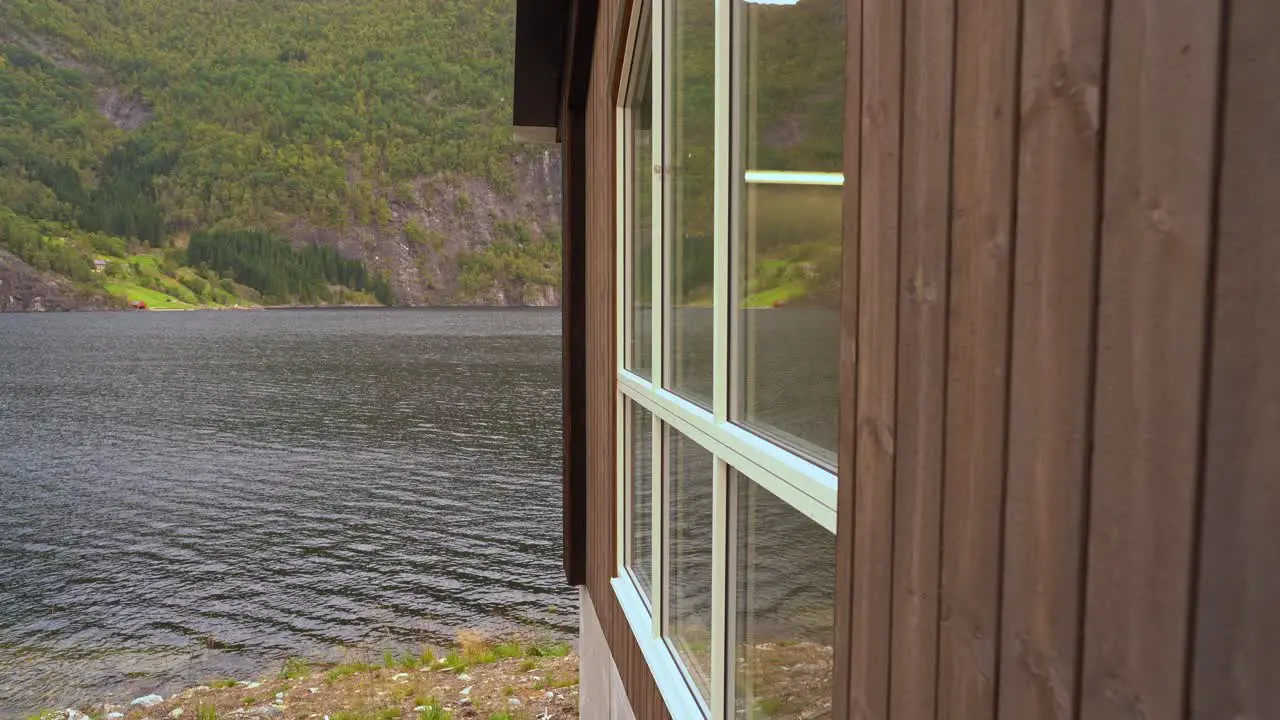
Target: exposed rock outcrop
457, 215
26, 289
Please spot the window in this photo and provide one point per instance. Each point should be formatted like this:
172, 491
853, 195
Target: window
729, 137
639, 509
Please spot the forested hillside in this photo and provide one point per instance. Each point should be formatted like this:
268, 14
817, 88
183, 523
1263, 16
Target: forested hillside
376, 128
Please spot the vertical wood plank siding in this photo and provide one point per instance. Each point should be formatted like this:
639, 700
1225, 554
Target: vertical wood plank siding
929, 52
1060, 456
1060, 361
1151, 339
983, 163
1236, 671
1052, 356
877, 330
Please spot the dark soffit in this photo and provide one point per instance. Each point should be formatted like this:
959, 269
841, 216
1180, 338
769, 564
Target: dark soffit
541, 30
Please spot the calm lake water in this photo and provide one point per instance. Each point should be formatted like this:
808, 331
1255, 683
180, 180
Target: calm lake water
186, 496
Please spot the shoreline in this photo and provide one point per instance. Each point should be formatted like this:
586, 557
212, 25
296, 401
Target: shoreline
479, 679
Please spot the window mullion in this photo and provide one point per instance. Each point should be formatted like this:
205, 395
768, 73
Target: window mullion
721, 592
722, 285
658, 241
623, 241
658, 265
658, 578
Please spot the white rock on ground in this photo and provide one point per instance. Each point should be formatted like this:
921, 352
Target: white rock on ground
175, 713
148, 700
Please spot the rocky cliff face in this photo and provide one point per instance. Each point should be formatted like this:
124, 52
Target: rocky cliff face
445, 219
26, 289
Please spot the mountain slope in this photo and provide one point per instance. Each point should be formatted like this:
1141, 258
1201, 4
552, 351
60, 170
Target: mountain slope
377, 127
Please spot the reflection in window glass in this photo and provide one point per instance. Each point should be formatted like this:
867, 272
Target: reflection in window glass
690, 471
691, 188
640, 500
639, 157
789, 72
785, 615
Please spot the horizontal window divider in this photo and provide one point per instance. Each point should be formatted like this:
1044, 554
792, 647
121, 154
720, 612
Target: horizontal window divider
793, 177
667, 674
810, 488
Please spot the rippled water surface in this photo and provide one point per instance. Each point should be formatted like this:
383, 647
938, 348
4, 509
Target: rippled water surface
194, 495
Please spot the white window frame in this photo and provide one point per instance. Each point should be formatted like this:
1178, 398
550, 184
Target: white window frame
808, 487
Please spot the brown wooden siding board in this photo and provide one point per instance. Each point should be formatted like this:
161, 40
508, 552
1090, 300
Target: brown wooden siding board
1155, 250
1236, 669
981, 248
881, 126
845, 588
1052, 355
927, 103
928, 44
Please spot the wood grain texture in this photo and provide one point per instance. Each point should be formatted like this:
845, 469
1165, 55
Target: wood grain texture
977, 373
928, 68
851, 200
1236, 669
1158, 182
1052, 356
880, 154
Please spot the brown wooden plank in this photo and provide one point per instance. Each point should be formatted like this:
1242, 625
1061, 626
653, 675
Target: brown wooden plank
977, 377
1163, 67
877, 320
929, 45
845, 588
1050, 378
1237, 643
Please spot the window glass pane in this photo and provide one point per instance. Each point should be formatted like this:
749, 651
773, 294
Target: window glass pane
785, 615
640, 500
691, 184
789, 99
639, 159
690, 471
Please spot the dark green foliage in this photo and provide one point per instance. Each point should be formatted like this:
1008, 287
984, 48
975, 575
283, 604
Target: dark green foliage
26, 239
269, 107
282, 274
513, 261
124, 203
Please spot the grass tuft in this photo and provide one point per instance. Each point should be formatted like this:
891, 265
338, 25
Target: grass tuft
554, 649
206, 712
455, 661
433, 711
347, 669
223, 683
294, 668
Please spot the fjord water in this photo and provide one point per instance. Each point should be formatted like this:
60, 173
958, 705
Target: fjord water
185, 496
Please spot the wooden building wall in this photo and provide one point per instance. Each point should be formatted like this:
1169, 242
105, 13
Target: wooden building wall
1060, 387
1060, 473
